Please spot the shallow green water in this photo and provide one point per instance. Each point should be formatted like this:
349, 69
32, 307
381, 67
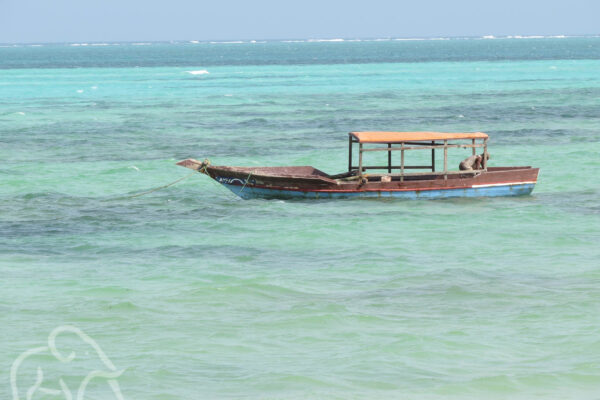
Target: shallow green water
198, 294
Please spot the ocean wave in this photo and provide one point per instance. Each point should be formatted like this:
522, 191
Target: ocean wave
79, 44
198, 72
194, 41
537, 37
229, 42
325, 40
100, 44
141, 44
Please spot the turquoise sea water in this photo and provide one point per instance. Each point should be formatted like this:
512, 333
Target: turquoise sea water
198, 294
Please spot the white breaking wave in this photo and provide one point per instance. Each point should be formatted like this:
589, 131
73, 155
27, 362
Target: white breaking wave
231, 42
194, 41
199, 72
100, 44
141, 44
325, 40
79, 44
531, 37
489, 37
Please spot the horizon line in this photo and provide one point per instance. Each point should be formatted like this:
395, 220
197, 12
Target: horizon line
306, 40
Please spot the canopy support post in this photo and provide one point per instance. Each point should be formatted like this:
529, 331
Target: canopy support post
389, 158
433, 157
445, 160
360, 154
485, 154
473, 142
349, 153
402, 162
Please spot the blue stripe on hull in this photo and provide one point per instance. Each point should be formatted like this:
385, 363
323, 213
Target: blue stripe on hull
249, 192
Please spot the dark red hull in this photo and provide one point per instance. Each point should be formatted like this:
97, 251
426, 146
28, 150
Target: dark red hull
308, 182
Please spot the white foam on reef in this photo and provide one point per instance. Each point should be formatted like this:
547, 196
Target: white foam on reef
134, 167
100, 44
528, 37
79, 44
488, 37
325, 40
94, 87
20, 113
199, 72
141, 44
230, 42
194, 41
80, 91
36, 45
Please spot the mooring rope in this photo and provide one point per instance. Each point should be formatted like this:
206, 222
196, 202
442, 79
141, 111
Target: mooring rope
201, 170
155, 189
245, 183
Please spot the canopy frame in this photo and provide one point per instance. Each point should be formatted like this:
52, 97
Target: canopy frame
406, 145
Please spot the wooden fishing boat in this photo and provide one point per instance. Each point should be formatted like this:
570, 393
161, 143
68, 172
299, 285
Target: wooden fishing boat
391, 180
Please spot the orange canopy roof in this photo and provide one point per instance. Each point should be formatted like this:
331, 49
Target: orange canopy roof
398, 137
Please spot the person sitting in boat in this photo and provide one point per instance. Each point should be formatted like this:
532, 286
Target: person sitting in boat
473, 163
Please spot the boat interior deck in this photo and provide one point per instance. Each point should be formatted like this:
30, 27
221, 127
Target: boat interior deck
308, 171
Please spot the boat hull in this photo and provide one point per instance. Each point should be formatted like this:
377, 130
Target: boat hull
309, 183
516, 189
